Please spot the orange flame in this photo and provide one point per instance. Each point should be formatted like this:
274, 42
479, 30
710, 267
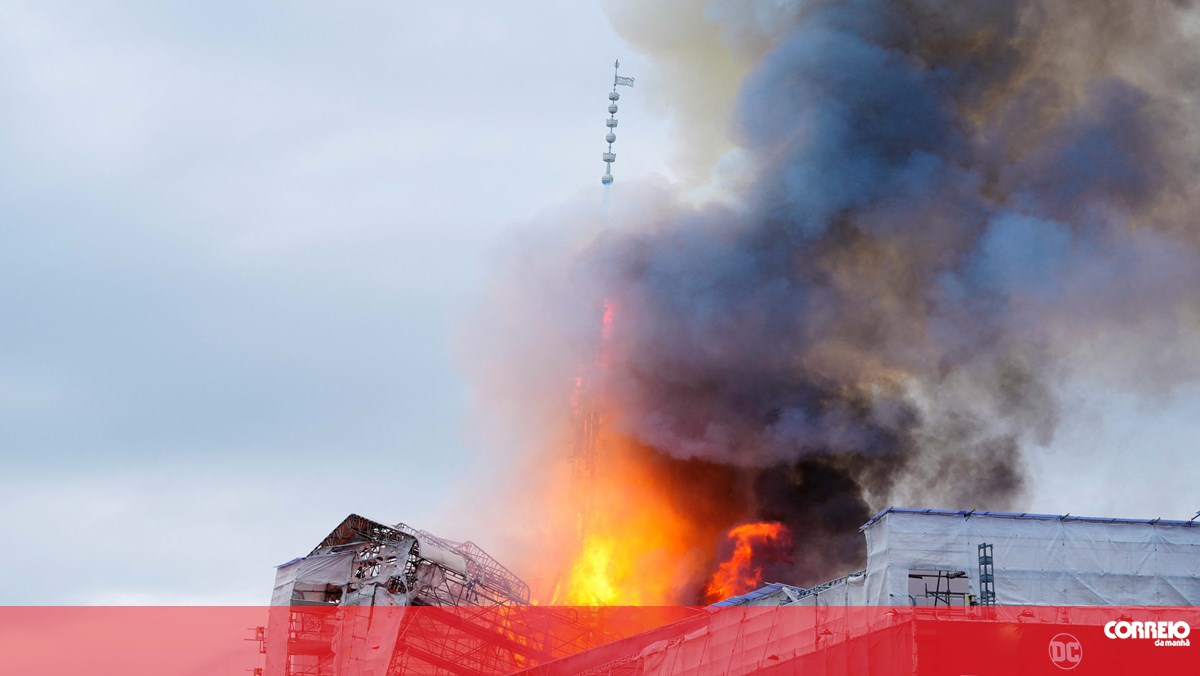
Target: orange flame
740, 574
638, 548
634, 546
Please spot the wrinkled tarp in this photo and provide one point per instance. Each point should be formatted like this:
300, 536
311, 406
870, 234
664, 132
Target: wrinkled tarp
1037, 561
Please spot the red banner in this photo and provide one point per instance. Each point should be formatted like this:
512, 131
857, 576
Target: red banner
288, 641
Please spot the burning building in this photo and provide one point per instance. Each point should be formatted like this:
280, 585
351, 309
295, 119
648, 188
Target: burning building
934, 218
961, 573
952, 592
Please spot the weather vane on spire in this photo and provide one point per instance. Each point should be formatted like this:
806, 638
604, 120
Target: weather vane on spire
611, 122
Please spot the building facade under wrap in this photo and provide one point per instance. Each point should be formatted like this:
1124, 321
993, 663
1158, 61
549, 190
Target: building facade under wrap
941, 593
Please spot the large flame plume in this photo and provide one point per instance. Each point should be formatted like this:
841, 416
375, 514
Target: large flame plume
638, 548
627, 523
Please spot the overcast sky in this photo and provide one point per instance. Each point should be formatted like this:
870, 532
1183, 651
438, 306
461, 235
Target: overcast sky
238, 242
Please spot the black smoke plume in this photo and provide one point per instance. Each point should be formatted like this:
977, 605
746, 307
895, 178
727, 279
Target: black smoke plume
941, 210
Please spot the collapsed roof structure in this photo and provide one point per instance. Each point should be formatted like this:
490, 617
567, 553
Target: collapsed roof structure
340, 609
984, 563
363, 562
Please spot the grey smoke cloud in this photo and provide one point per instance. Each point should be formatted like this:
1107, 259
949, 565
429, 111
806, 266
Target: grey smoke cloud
942, 201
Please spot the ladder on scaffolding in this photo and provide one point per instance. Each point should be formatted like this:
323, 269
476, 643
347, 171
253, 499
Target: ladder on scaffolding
987, 576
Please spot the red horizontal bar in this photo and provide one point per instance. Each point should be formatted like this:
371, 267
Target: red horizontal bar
566, 640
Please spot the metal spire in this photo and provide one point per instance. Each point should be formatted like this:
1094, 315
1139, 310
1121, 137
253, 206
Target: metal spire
611, 122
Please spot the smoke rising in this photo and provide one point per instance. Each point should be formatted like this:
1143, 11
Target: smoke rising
944, 209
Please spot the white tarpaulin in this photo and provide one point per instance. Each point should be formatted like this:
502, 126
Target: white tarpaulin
1039, 559
285, 580
326, 568
319, 569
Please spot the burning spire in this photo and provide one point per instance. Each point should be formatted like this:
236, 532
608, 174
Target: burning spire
587, 580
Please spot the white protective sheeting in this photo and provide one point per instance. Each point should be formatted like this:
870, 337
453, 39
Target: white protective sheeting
363, 641
318, 569
1038, 560
444, 558
285, 580
326, 568
743, 640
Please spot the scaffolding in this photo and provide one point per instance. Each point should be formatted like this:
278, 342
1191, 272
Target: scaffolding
987, 576
943, 591
403, 601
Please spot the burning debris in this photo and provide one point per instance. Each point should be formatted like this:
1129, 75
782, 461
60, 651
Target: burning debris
939, 207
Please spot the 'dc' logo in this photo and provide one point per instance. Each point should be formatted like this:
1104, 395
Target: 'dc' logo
1066, 652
